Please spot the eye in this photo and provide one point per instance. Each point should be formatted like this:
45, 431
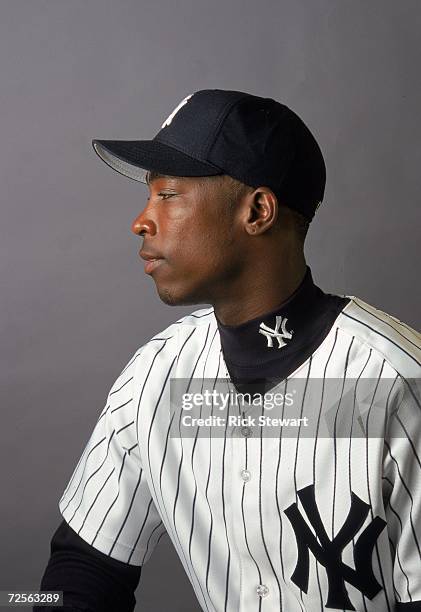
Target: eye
165, 196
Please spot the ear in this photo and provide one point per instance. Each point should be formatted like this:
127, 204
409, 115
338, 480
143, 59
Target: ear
262, 211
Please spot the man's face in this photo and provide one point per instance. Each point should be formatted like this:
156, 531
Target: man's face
196, 236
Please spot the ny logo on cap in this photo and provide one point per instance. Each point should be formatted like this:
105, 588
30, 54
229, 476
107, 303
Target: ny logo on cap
270, 333
175, 111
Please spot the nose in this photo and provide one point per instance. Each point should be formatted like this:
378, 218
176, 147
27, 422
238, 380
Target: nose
143, 225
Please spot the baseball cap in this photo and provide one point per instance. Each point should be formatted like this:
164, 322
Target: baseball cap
255, 140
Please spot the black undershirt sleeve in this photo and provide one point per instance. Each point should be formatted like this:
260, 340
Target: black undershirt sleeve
90, 580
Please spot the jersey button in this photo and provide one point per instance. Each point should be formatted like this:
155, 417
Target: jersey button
246, 431
245, 475
262, 590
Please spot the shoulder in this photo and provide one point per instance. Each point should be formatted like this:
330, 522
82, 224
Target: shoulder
198, 318
168, 342
198, 321
395, 341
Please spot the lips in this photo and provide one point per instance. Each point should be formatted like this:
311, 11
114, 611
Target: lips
152, 260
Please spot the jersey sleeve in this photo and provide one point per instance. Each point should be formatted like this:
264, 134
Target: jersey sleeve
107, 501
402, 478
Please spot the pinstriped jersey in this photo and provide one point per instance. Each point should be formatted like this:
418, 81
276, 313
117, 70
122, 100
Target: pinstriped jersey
288, 521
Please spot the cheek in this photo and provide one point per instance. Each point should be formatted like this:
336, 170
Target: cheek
207, 245
214, 256
193, 240
200, 241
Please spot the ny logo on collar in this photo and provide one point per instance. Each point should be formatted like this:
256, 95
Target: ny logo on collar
270, 333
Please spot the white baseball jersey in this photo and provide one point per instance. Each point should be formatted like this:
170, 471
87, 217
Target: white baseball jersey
265, 523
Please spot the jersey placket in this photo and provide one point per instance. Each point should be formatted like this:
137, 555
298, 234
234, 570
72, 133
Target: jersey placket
258, 591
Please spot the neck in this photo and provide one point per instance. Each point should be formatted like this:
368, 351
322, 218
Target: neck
263, 292
275, 343
278, 333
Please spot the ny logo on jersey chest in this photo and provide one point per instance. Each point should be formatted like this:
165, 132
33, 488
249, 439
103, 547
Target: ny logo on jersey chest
329, 552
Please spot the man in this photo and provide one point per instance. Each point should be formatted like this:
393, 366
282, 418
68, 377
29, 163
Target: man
311, 503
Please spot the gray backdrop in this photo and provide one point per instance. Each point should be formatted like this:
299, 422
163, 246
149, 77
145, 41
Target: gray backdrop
75, 300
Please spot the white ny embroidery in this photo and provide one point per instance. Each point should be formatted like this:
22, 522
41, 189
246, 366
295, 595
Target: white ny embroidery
175, 111
270, 333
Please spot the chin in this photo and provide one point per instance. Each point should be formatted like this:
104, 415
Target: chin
174, 298
168, 298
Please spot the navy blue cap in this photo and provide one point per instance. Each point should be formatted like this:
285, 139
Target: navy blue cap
255, 140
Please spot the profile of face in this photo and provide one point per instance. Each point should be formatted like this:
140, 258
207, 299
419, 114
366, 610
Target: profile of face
193, 240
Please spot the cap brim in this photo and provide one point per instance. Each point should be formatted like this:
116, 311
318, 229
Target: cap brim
134, 158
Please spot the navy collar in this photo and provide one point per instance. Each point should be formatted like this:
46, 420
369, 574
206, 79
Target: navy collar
279, 333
